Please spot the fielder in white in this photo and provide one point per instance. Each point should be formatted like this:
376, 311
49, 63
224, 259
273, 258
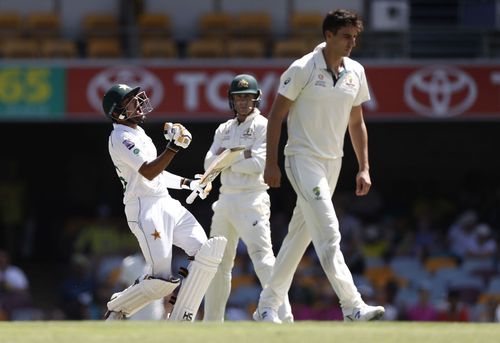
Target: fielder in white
157, 220
243, 208
322, 93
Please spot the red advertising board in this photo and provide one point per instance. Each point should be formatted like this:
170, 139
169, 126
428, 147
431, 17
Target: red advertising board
410, 91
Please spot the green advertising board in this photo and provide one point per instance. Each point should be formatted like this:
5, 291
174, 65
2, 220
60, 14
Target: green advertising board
32, 93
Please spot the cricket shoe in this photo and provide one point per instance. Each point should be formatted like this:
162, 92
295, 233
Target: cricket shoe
267, 314
113, 315
365, 313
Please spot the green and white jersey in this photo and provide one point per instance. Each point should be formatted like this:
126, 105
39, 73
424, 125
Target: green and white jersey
245, 175
319, 116
129, 148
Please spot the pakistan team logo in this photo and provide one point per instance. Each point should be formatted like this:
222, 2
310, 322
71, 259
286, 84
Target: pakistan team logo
317, 193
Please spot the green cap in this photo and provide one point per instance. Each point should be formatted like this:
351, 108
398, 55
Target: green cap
112, 101
244, 84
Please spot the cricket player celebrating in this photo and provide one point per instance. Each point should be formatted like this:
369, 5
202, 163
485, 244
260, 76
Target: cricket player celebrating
157, 220
322, 93
243, 208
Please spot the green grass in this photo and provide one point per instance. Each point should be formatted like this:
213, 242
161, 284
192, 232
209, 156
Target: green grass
241, 332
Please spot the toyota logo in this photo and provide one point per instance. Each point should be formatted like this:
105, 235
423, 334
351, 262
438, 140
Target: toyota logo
440, 91
132, 76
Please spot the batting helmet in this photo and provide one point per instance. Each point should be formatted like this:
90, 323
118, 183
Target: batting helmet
244, 84
112, 102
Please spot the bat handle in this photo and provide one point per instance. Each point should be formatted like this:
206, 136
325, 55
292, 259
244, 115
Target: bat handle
191, 197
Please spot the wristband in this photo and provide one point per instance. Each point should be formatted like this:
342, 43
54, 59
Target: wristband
186, 183
172, 146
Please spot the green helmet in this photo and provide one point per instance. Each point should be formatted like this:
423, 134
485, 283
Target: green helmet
112, 102
244, 84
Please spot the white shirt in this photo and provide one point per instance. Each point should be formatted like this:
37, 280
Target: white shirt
129, 148
245, 174
14, 278
319, 116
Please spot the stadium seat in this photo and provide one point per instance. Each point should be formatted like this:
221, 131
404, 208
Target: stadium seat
214, 25
290, 48
100, 25
246, 48
43, 25
470, 265
20, 48
154, 25
10, 25
58, 48
205, 48
306, 25
494, 286
104, 48
158, 48
251, 25
379, 276
437, 262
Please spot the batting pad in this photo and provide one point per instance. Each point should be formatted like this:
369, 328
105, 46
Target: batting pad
201, 273
141, 293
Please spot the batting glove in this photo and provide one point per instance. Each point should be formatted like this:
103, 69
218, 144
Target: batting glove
178, 134
194, 185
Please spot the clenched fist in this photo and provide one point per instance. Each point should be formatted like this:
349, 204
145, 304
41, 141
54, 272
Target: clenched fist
178, 134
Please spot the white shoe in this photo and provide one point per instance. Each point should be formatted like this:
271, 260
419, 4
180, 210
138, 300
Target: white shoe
287, 319
267, 314
365, 313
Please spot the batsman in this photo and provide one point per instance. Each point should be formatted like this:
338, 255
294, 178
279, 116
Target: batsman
156, 219
243, 208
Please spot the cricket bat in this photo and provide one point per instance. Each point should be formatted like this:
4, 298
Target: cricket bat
223, 161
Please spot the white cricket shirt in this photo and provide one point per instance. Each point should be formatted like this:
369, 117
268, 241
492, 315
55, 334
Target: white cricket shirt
129, 148
245, 174
319, 116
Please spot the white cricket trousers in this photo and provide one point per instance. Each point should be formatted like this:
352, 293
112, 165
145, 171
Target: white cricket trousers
159, 222
313, 218
244, 215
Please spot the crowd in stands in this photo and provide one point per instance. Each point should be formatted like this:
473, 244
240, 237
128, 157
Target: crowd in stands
137, 31
436, 263
435, 260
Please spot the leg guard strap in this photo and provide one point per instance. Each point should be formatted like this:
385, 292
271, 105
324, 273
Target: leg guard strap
141, 293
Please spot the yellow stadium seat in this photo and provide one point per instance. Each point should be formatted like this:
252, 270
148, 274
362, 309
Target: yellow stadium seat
104, 48
20, 48
251, 25
10, 24
246, 48
43, 25
214, 24
154, 25
158, 48
205, 48
58, 48
100, 25
290, 48
306, 24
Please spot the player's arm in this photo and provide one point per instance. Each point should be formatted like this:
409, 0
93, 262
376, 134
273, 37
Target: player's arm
279, 110
215, 149
253, 158
153, 168
177, 137
359, 141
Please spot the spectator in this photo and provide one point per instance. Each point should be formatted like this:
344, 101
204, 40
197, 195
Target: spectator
14, 288
423, 310
455, 310
461, 233
77, 290
482, 244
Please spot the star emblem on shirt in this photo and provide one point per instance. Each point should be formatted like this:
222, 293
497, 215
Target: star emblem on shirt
156, 235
